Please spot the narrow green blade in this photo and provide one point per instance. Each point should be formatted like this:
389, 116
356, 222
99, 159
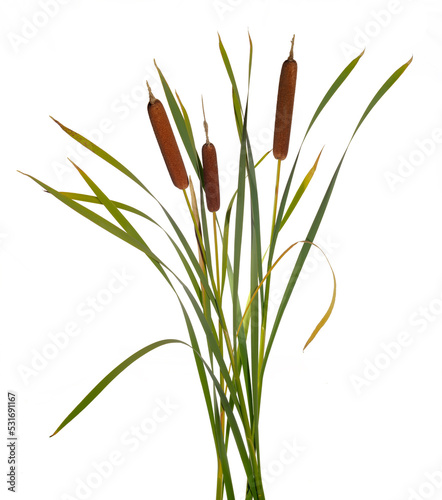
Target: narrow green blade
108, 379
89, 214
180, 123
93, 199
335, 86
300, 191
235, 93
101, 153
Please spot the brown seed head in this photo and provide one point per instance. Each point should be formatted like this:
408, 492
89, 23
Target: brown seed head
284, 106
210, 170
211, 180
167, 142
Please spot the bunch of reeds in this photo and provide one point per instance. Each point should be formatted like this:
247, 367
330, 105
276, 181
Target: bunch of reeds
238, 346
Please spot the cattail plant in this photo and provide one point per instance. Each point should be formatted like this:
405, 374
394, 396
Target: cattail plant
238, 338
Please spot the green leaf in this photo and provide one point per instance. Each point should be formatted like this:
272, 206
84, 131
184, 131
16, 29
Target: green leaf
300, 191
239, 224
180, 123
89, 214
331, 91
108, 379
93, 199
113, 210
235, 93
190, 134
101, 153
122, 206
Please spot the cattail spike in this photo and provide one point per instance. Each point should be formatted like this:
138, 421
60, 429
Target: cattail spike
284, 106
206, 126
166, 141
152, 98
291, 49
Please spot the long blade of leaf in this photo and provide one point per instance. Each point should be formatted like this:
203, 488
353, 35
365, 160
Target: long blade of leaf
180, 123
89, 214
300, 191
93, 199
101, 153
113, 209
86, 401
335, 86
235, 93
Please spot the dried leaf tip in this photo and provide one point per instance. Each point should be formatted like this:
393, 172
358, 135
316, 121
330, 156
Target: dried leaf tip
206, 126
291, 48
152, 98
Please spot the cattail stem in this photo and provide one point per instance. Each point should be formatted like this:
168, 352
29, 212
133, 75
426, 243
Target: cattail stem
267, 290
195, 223
219, 481
221, 346
275, 203
215, 237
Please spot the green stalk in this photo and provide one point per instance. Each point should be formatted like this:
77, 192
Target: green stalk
275, 203
267, 286
219, 485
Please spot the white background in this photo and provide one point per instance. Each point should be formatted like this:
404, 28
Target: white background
360, 432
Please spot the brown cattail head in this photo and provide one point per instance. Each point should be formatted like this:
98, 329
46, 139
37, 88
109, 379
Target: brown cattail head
210, 171
284, 106
167, 142
211, 181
